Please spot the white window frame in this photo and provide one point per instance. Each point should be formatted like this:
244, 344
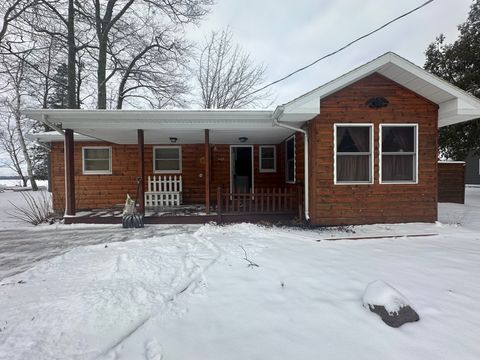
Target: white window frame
261, 169
294, 160
155, 171
380, 153
371, 153
97, 172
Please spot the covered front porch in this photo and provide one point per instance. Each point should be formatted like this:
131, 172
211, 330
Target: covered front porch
180, 166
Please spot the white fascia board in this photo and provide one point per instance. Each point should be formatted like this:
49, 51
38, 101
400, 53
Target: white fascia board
165, 124
456, 111
61, 115
53, 136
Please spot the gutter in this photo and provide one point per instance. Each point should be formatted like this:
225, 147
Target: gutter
277, 114
53, 126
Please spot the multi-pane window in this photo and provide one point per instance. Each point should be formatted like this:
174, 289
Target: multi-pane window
167, 159
97, 160
398, 155
267, 158
290, 160
353, 153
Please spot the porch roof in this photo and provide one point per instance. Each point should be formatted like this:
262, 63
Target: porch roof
119, 126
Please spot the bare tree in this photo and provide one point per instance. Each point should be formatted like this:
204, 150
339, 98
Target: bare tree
152, 69
11, 10
227, 75
11, 146
114, 20
15, 76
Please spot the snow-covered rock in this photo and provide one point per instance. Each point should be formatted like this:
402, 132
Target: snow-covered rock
387, 302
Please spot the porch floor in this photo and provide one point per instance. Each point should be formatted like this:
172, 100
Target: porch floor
181, 210
183, 214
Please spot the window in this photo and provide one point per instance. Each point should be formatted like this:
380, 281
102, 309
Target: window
353, 154
290, 160
398, 154
268, 158
167, 159
97, 160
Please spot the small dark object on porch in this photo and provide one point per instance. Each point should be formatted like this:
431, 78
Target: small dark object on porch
131, 219
377, 102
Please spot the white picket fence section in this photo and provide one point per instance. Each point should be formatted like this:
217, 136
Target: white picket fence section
164, 191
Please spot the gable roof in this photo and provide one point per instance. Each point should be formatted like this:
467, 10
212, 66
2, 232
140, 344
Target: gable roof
455, 105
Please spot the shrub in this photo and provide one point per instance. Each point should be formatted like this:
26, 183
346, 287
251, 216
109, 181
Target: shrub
37, 208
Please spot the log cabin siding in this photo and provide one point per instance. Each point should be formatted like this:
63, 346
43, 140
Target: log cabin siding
332, 204
105, 191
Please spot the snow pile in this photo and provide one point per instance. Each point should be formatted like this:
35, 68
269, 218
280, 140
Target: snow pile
380, 293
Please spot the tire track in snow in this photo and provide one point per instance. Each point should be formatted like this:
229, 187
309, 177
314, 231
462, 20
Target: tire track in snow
194, 275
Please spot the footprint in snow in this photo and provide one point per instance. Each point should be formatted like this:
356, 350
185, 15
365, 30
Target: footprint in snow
153, 350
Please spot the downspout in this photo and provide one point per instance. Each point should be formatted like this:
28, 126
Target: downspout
276, 116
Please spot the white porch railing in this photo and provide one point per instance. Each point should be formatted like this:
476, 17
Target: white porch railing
164, 191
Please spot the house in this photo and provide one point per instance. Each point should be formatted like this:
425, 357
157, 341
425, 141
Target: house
359, 149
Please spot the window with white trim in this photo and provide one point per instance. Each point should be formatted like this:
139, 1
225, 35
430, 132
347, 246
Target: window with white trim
398, 154
167, 159
290, 160
353, 154
268, 161
97, 160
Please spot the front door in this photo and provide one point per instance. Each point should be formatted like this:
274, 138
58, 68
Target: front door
241, 168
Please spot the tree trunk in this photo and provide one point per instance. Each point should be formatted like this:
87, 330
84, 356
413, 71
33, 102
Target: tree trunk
71, 88
25, 151
101, 75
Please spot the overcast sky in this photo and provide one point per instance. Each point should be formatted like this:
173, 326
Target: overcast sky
287, 34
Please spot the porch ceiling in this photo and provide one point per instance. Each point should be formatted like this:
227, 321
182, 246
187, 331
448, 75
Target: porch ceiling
120, 126
272, 135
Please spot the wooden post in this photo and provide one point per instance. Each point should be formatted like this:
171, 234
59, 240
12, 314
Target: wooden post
141, 171
207, 171
69, 173
219, 205
300, 203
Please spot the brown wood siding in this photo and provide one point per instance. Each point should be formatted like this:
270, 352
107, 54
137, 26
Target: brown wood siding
103, 191
451, 182
332, 204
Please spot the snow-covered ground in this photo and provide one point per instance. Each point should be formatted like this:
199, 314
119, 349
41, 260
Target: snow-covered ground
187, 292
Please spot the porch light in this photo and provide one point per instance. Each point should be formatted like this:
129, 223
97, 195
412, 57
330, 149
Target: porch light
242, 139
173, 140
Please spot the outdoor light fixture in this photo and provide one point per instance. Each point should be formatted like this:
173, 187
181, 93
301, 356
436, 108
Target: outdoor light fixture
173, 140
242, 139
